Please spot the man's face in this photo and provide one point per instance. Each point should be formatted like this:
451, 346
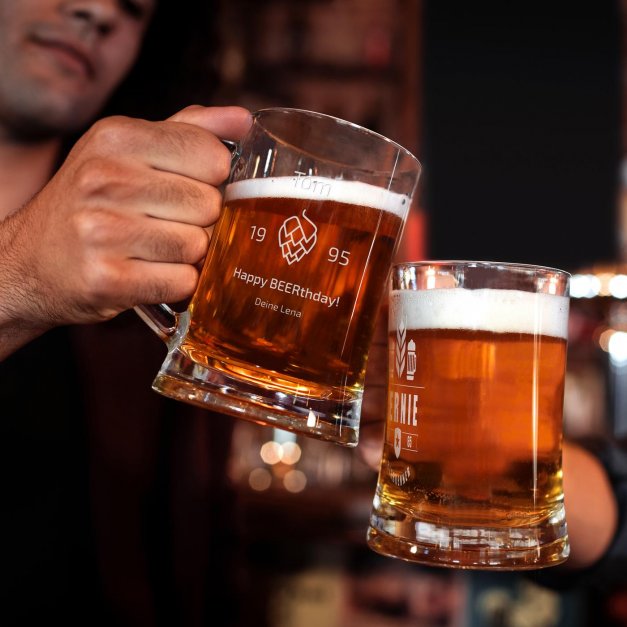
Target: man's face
60, 60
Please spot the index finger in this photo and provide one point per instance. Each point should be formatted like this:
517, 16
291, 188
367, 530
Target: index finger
229, 123
224, 122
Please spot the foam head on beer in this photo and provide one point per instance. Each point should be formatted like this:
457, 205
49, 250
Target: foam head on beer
495, 310
320, 188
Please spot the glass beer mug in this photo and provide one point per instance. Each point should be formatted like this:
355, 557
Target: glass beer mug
279, 327
471, 475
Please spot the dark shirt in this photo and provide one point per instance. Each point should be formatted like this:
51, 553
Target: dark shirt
116, 498
610, 572
612, 568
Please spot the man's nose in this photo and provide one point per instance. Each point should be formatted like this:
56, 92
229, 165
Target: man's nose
97, 16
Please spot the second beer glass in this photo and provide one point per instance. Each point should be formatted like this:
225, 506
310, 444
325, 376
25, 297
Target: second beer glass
279, 328
471, 475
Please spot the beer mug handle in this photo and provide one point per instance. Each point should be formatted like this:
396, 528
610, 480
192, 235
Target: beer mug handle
162, 319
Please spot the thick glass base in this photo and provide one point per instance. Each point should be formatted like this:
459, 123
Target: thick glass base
396, 533
183, 379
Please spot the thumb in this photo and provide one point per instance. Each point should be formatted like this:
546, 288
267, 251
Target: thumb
224, 122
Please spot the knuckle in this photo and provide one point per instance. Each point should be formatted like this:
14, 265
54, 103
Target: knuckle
166, 248
158, 289
195, 196
184, 285
184, 244
101, 283
206, 203
184, 113
111, 131
94, 226
212, 204
193, 108
94, 175
182, 194
199, 248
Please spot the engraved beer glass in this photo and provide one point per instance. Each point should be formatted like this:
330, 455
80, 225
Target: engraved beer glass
279, 327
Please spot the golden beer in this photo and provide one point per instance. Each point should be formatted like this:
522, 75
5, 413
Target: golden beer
472, 452
297, 319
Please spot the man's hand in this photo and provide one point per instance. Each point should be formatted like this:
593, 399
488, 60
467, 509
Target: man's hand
121, 223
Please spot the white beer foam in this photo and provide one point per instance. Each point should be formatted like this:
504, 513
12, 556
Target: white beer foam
501, 311
320, 188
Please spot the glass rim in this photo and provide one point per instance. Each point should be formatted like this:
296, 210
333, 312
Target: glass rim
469, 263
357, 127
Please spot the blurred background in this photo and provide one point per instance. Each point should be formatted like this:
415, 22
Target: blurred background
518, 114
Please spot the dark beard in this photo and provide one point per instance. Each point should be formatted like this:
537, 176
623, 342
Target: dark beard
22, 129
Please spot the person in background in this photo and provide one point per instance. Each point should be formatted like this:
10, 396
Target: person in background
115, 500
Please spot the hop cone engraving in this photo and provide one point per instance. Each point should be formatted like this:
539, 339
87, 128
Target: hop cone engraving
297, 237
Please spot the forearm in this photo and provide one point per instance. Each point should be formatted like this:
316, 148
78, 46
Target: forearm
591, 508
16, 326
13, 336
